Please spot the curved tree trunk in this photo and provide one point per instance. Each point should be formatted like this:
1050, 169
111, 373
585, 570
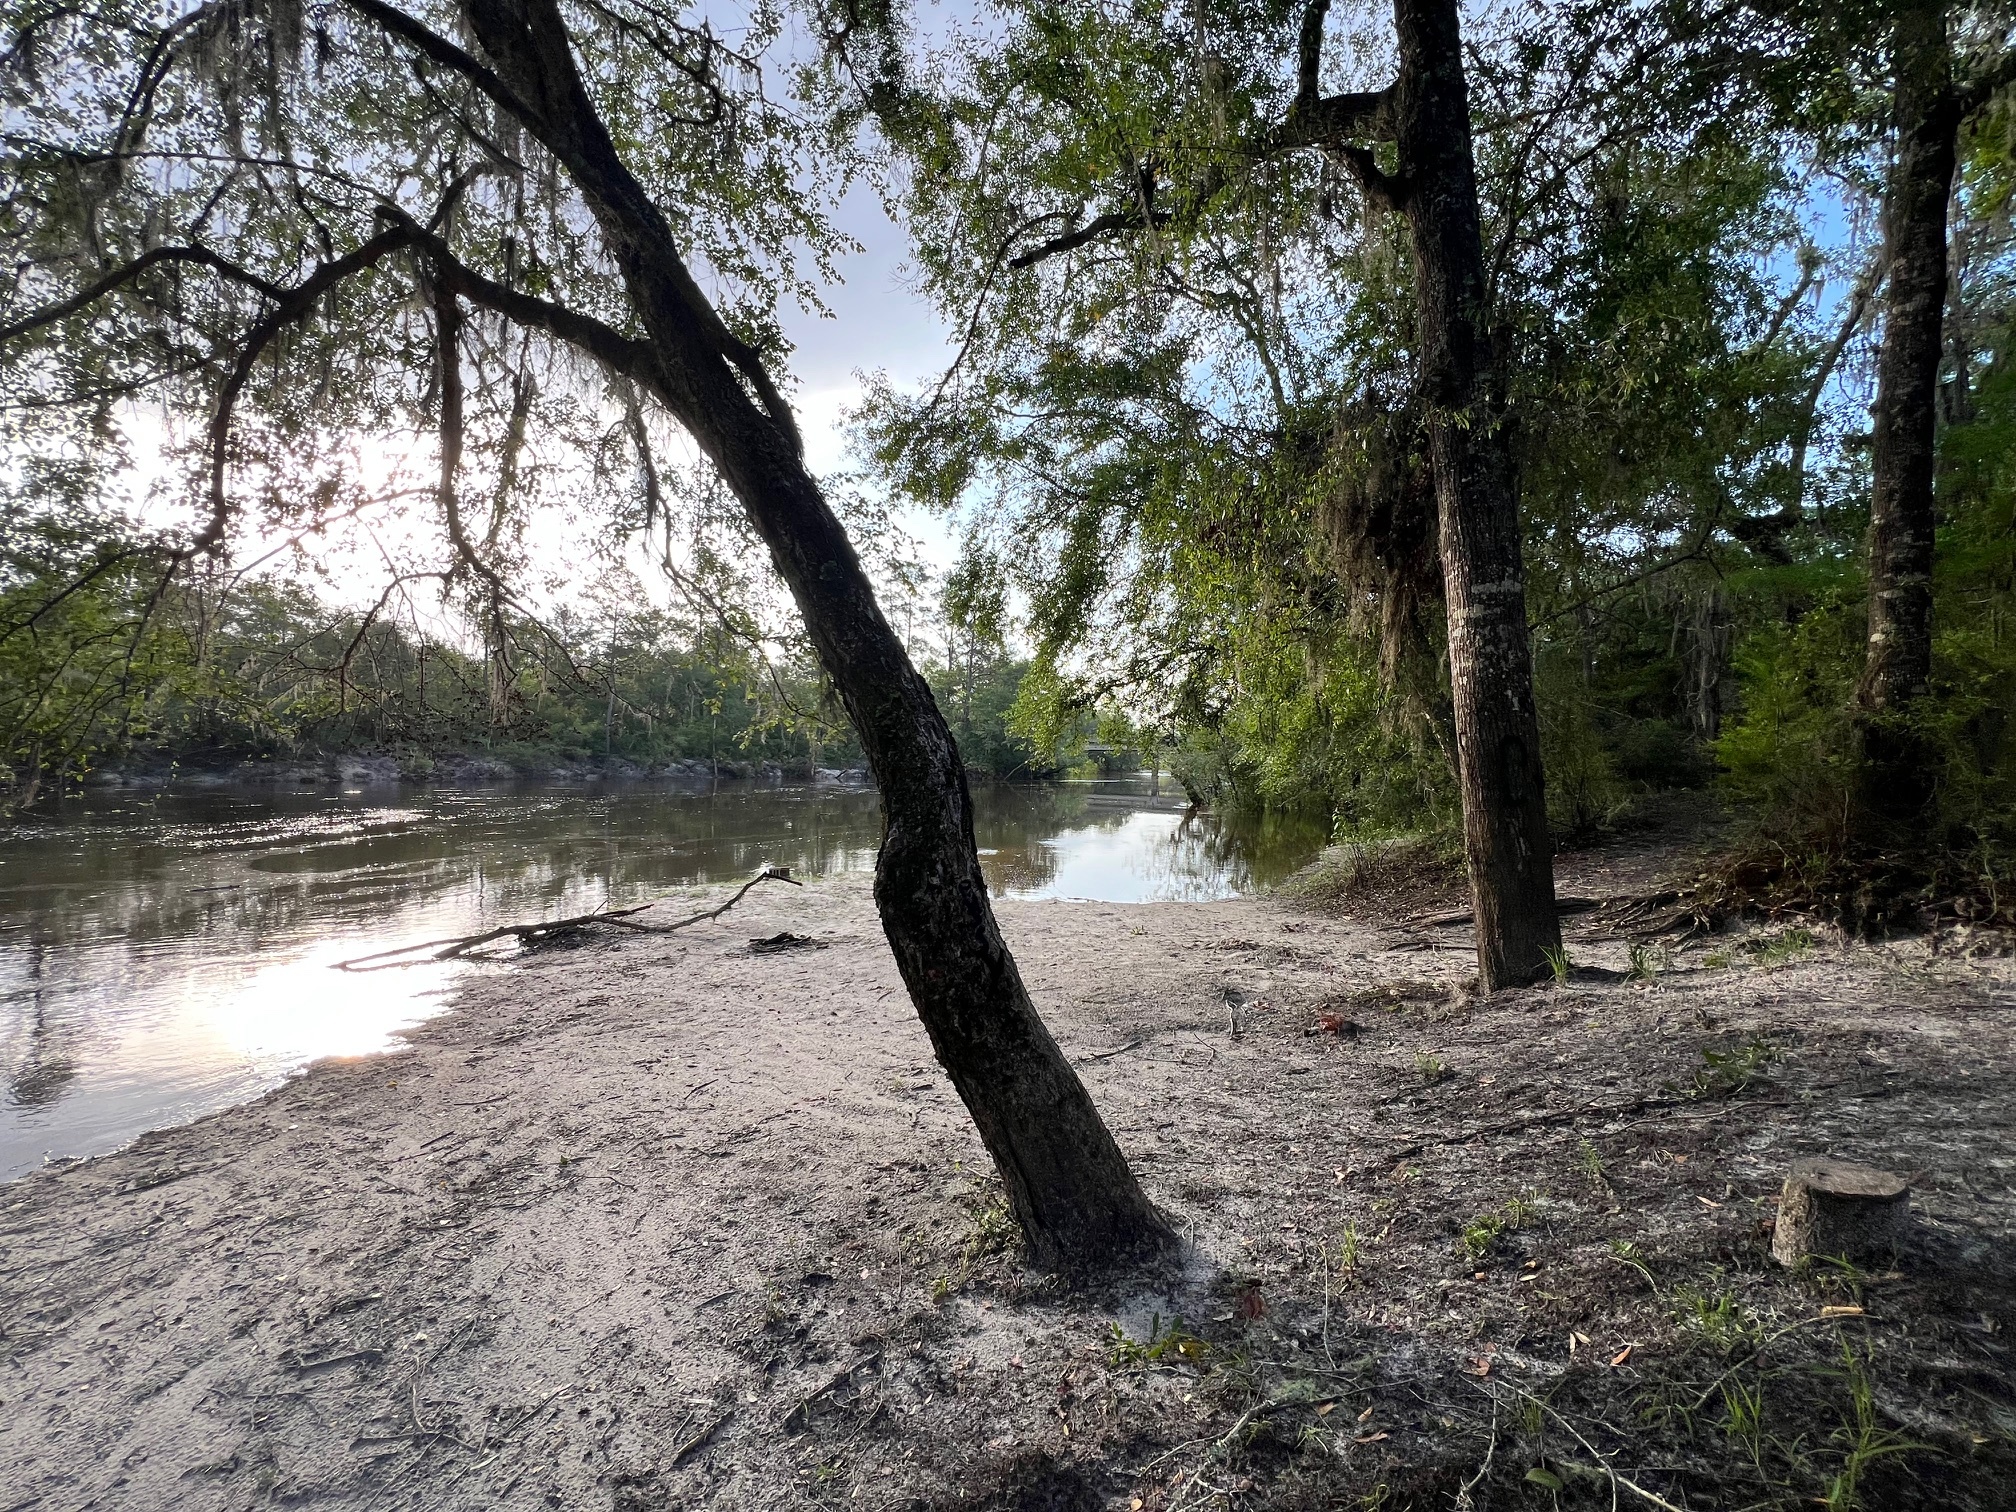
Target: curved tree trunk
1067, 1182
1899, 775
1490, 658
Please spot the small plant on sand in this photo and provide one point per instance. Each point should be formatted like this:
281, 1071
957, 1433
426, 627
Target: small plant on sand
1776, 950
1345, 1261
1861, 1439
1430, 1068
990, 1230
1591, 1161
1724, 1073
1175, 1344
1558, 963
1481, 1234
1645, 963
1834, 1276
1625, 1253
994, 1231
1743, 1415
1719, 1321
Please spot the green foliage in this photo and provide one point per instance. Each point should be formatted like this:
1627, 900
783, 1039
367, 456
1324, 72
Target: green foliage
1719, 1321
105, 658
1171, 1345
1198, 452
1480, 1236
1726, 1072
1558, 964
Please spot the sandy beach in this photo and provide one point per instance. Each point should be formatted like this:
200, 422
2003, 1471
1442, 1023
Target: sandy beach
662, 1222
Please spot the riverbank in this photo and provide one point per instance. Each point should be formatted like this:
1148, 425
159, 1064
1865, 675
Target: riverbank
663, 1222
449, 769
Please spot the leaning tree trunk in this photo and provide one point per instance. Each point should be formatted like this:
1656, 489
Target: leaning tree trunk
1898, 772
1067, 1182
1490, 658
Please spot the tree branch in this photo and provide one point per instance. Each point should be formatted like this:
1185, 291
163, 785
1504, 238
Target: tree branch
436, 48
195, 256
293, 305
1380, 187
1130, 219
1982, 84
627, 355
1316, 121
534, 46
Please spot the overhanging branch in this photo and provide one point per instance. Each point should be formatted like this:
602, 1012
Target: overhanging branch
201, 257
291, 305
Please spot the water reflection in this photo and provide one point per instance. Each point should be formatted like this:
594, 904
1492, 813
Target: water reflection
163, 957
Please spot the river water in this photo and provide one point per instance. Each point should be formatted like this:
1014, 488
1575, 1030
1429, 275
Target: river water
164, 956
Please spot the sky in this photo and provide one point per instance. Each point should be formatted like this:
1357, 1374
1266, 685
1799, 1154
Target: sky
877, 324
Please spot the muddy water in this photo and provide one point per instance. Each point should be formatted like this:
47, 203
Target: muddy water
165, 956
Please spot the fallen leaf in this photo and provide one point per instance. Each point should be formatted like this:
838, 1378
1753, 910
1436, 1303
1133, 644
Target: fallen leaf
1326, 1409
1706, 1203
1481, 1366
1840, 1312
1365, 1414
1622, 1355
1371, 1438
1579, 1338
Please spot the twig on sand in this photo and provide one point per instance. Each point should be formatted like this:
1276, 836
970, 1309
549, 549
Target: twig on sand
1099, 1055
801, 1416
1602, 1462
497, 1442
694, 1444
547, 929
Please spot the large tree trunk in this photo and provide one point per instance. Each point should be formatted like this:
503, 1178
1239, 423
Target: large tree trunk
1079, 1204
1490, 658
1899, 776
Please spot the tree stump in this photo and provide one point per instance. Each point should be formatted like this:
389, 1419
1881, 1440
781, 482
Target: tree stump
1836, 1208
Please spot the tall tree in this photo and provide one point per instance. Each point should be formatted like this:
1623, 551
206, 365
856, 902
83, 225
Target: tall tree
1929, 108
1425, 114
647, 323
1483, 577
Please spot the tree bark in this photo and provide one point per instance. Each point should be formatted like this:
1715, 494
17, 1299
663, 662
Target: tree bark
1490, 657
1066, 1180
1899, 776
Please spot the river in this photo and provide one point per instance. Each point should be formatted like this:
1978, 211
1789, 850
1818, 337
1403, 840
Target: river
166, 955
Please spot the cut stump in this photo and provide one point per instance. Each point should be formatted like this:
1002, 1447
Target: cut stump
1836, 1208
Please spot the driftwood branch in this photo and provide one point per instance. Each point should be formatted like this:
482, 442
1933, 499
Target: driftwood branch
547, 929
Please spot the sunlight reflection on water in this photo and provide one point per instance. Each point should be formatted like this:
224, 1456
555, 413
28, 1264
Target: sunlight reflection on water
162, 957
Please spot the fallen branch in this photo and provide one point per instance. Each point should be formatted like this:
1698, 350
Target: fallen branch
547, 929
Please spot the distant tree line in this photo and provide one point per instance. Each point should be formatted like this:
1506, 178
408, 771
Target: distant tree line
102, 663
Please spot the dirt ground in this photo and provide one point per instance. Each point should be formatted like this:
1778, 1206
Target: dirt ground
662, 1222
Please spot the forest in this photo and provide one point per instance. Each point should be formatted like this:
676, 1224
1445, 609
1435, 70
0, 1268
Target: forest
1474, 424
1184, 441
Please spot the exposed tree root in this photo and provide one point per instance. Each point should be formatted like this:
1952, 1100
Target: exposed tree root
1865, 892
